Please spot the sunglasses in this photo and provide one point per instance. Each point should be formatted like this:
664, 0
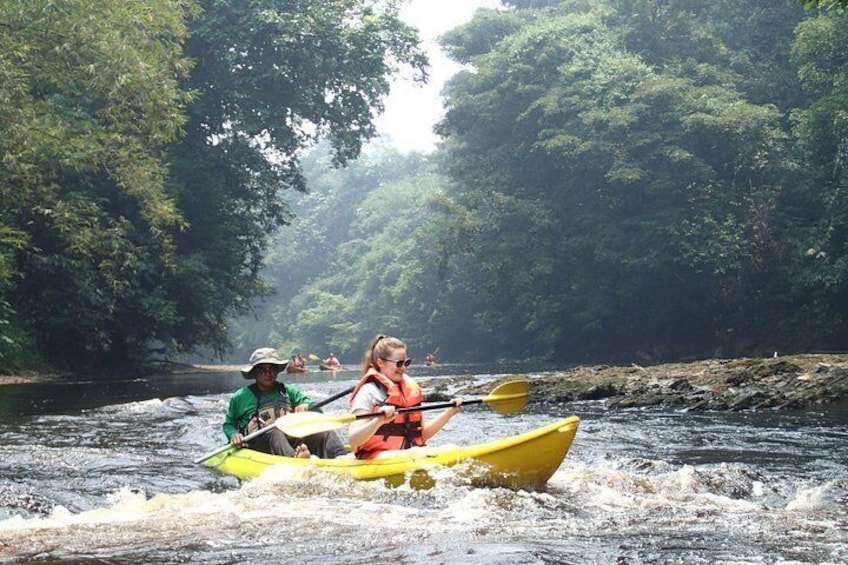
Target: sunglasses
399, 363
266, 370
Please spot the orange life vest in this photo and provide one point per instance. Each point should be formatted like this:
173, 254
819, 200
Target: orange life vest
405, 430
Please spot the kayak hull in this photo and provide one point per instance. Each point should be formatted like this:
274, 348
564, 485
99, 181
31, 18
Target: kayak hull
525, 461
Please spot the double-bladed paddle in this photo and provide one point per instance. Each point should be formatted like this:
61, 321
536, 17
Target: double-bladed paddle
506, 398
261, 431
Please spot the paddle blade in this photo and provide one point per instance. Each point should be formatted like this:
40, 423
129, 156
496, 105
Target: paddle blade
314, 357
508, 398
302, 424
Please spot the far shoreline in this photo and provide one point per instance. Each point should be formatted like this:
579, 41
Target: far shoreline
30, 376
765, 383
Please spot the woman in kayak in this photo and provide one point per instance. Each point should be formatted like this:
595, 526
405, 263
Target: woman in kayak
383, 388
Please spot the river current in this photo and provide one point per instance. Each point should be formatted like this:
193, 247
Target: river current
102, 472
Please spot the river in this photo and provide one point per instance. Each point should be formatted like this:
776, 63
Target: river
102, 472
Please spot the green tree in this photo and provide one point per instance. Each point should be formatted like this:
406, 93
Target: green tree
649, 191
820, 260
82, 191
272, 77
139, 192
741, 43
622, 182
359, 258
824, 4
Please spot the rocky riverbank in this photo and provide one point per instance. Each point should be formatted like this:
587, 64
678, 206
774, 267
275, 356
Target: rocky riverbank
789, 382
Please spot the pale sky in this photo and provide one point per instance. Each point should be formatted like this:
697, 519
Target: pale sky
411, 110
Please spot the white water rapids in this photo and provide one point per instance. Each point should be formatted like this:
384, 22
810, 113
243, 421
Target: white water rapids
114, 483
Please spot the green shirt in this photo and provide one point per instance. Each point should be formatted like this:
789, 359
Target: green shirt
243, 405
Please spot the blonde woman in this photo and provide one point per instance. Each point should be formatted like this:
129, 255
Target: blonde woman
383, 388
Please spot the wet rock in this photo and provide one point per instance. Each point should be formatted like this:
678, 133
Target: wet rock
680, 385
637, 401
598, 392
747, 399
789, 382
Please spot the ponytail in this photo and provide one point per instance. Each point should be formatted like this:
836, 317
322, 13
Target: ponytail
381, 347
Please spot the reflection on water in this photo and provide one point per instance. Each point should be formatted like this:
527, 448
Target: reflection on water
111, 480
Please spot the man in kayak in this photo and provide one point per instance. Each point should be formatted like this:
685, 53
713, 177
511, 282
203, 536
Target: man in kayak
331, 362
383, 388
259, 404
297, 364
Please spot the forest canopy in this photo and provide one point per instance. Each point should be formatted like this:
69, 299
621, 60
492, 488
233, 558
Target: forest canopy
147, 148
617, 180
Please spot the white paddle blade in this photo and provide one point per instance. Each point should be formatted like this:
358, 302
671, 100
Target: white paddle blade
302, 424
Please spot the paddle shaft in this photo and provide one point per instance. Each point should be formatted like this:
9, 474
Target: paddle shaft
261, 431
421, 408
495, 398
224, 448
330, 399
507, 398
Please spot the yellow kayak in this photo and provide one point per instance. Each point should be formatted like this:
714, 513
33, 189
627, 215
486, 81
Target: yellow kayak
524, 461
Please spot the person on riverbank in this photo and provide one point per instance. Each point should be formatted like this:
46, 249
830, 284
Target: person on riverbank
258, 405
383, 388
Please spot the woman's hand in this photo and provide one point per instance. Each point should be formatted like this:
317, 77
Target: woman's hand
237, 440
388, 413
360, 430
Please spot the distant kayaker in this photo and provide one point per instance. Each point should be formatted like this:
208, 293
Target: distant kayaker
297, 364
259, 404
430, 360
383, 388
331, 361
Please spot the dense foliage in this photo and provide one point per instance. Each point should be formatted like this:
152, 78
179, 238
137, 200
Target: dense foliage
620, 179
360, 257
825, 4
145, 149
668, 175
86, 218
